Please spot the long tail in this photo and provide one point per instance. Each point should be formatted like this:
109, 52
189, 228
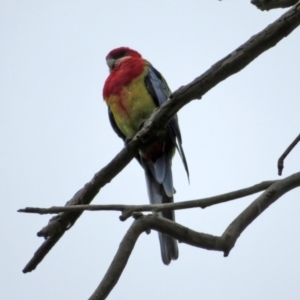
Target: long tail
160, 190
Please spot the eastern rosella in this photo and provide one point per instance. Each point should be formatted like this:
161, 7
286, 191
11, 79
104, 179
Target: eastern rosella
132, 91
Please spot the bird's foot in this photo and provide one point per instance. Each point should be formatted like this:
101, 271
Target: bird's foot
142, 124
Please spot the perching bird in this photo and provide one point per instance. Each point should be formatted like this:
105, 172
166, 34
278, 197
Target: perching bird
132, 91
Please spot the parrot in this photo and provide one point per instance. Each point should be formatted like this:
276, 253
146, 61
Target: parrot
132, 91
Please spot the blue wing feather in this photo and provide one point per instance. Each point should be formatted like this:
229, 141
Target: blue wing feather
159, 90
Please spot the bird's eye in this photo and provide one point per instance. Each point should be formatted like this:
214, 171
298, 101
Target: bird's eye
122, 53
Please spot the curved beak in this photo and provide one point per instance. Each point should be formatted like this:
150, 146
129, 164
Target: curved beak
111, 63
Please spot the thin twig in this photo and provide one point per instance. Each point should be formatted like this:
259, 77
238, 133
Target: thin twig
281, 159
128, 210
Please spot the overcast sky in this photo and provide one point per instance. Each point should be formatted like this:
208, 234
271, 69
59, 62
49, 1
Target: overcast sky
55, 135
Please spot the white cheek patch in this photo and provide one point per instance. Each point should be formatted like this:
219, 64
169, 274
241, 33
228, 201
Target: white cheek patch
119, 60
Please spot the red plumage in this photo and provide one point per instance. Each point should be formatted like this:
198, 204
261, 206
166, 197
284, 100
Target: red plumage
122, 75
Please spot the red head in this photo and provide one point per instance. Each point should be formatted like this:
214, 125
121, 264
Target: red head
114, 57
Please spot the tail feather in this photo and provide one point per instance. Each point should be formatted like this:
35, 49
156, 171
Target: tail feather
170, 251
159, 193
159, 168
168, 248
168, 181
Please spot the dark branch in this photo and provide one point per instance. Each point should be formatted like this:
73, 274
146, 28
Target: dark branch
271, 4
222, 243
281, 159
226, 67
42, 251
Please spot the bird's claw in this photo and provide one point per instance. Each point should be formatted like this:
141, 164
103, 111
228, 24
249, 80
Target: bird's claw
142, 124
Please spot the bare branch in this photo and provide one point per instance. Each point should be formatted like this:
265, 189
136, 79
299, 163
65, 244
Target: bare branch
222, 243
273, 193
271, 4
42, 251
144, 224
226, 67
128, 210
281, 159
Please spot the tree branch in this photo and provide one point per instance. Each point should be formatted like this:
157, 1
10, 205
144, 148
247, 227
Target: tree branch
129, 210
274, 192
271, 4
226, 67
281, 159
223, 243
144, 224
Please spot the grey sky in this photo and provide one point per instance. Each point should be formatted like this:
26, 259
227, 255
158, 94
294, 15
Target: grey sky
55, 135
